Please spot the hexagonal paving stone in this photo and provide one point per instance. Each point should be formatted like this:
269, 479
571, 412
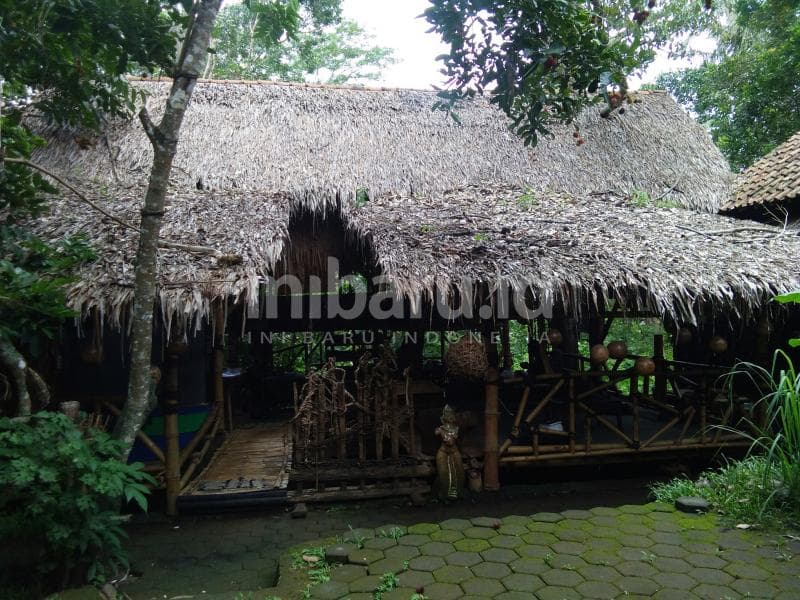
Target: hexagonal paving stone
707, 561
446, 535
605, 511
380, 543
603, 532
637, 585
426, 563
413, 540
634, 509
365, 556
566, 561
481, 533
423, 528
443, 591
437, 549
329, 590
573, 535
522, 582
597, 589
673, 594
678, 581
490, 570
710, 576
463, 559
529, 566
489, 522
533, 551
636, 568
483, 587
471, 545
547, 517
540, 526
541, 538
365, 584
562, 577
668, 550
635, 541
387, 565
506, 541
754, 588
555, 592
402, 552
513, 596
576, 514
574, 548
501, 555
452, 574
513, 529
666, 537
348, 573
708, 591
598, 573
635, 529
415, 579
672, 565
455, 524
400, 593
746, 571
601, 557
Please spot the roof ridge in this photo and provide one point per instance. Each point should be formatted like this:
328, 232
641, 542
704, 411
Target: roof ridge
329, 86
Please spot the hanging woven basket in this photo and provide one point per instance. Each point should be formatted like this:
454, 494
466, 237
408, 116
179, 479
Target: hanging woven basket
466, 358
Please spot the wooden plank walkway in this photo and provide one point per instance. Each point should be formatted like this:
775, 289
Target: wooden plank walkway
255, 459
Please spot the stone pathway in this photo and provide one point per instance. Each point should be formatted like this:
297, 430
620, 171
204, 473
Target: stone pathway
634, 551
644, 551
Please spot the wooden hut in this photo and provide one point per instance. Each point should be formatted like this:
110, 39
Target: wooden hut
274, 179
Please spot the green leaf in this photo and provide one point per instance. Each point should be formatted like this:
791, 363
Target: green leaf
789, 298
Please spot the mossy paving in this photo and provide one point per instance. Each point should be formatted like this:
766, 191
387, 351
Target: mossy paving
237, 556
558, 555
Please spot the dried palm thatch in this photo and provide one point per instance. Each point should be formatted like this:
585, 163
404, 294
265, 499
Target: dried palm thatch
557, 247
322, 142
771, 179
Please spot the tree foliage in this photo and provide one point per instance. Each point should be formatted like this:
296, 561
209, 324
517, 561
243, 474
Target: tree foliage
60, 487
748, 89
324, 47
545, 61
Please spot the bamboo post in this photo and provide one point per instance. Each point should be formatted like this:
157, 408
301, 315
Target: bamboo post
572, 401
341, 447
394, 419
491, 473
170, 409
219, 361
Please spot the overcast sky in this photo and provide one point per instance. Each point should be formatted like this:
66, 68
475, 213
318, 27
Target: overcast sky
394, 23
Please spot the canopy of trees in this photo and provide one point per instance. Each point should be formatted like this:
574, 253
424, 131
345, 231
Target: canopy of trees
325, 48
748, 89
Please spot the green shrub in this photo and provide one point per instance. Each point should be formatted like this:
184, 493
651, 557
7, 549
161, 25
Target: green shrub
61, 488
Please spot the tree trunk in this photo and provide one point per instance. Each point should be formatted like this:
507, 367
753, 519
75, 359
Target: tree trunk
164, 138
13, 363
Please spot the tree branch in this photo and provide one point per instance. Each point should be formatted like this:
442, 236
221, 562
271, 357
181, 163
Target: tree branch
13, 363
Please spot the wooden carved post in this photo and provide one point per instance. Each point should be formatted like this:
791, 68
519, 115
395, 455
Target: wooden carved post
491, 454
170, 409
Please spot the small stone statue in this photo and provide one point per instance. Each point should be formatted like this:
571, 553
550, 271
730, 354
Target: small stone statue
449, 467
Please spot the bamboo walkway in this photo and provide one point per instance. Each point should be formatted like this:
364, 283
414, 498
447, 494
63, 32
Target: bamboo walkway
255, 459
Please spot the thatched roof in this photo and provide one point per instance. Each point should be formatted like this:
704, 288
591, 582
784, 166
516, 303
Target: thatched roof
319, 142
771, 179
666, 260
